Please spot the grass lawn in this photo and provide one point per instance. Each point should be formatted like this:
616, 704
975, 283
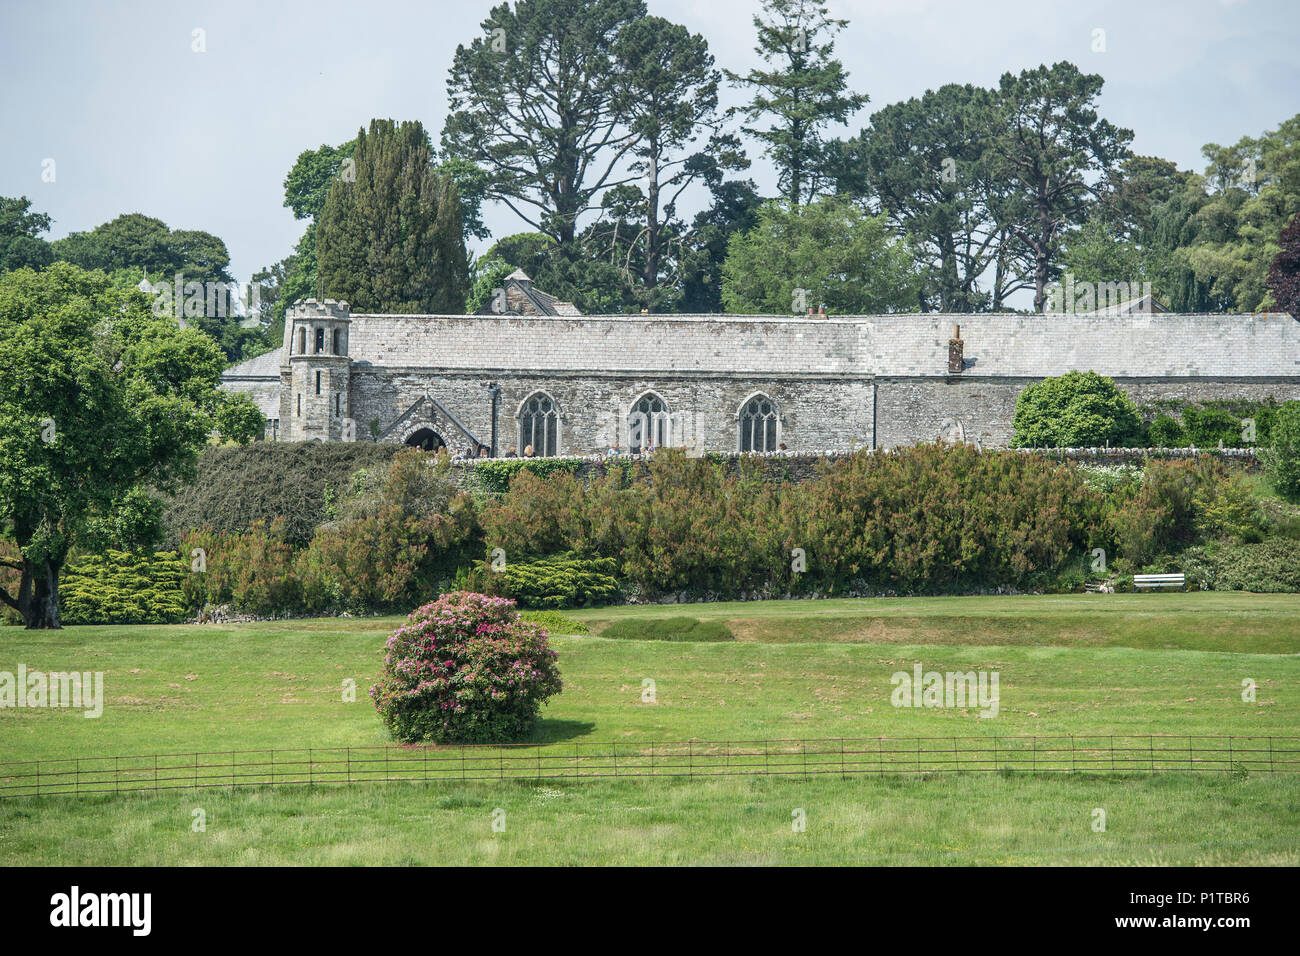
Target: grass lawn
1100, 664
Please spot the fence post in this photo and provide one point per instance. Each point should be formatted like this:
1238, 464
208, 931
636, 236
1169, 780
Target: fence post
1151, 752
803, 746
1229, 752
76, 785
349, 766
311, 779
613, 749
155, 773
38, 778
690, 759
196, 771
1270, 754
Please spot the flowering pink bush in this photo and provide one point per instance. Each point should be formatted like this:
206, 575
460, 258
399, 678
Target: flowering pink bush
465, 669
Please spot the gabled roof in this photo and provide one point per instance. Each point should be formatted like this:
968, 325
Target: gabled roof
543, 302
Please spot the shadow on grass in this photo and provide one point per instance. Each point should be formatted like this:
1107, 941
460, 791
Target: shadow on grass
550, 730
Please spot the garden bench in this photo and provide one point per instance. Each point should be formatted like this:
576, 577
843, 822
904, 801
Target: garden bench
1159, 581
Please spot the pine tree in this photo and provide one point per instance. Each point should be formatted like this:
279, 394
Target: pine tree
389, 237
803, 92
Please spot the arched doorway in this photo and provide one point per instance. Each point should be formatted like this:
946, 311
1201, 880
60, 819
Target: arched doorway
425, 439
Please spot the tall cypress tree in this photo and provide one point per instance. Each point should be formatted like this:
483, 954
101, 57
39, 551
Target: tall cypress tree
390, 237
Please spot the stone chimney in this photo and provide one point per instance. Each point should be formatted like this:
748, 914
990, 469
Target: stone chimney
955, 352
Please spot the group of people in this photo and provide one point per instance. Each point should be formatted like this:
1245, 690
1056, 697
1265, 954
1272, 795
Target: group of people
614, 451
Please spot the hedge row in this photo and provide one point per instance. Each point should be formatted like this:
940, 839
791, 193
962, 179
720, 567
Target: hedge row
927, 519
301, 484
924, 520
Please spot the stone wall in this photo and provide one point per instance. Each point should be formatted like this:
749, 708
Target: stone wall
838, 383
803, 466
594, 409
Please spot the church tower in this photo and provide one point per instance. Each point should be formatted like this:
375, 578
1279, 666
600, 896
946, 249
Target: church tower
315, 372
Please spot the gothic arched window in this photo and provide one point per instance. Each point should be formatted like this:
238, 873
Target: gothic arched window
647, 423
759, 421
539, 425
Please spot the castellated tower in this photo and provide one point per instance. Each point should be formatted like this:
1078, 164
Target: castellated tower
314, 372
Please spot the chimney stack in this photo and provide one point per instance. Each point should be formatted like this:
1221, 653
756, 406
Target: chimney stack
955, 360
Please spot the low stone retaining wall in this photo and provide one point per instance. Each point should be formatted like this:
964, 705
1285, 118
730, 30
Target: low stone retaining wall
803, 465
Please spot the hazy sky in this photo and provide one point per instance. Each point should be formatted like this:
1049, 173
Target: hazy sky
136, 121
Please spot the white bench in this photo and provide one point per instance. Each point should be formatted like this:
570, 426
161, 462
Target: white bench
1159, 581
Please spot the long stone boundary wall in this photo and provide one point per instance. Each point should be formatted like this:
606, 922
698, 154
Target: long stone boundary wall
803, 466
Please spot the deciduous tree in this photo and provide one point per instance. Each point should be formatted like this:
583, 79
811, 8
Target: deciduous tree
98, 396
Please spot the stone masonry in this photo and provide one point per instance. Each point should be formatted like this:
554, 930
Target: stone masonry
712, 383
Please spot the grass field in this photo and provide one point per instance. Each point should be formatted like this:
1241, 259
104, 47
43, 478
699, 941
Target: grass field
1112, 664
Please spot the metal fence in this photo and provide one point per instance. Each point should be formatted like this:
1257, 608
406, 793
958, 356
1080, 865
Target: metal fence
692, 758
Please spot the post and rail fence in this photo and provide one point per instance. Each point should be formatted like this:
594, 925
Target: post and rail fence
846, 757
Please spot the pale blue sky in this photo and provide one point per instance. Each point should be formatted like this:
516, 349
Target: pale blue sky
137, 122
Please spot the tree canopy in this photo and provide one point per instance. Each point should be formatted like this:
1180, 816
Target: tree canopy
803, 90
390, 238
98, 396
827, 253
1075, 410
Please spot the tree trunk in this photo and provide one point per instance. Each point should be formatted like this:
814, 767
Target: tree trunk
650, 274
38, 595
1042, 249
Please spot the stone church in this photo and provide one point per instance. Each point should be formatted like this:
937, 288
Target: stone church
531, 371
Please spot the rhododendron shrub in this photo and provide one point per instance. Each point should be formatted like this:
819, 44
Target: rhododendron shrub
465, 669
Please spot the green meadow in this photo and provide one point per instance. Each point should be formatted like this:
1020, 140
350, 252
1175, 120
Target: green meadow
1069, 664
